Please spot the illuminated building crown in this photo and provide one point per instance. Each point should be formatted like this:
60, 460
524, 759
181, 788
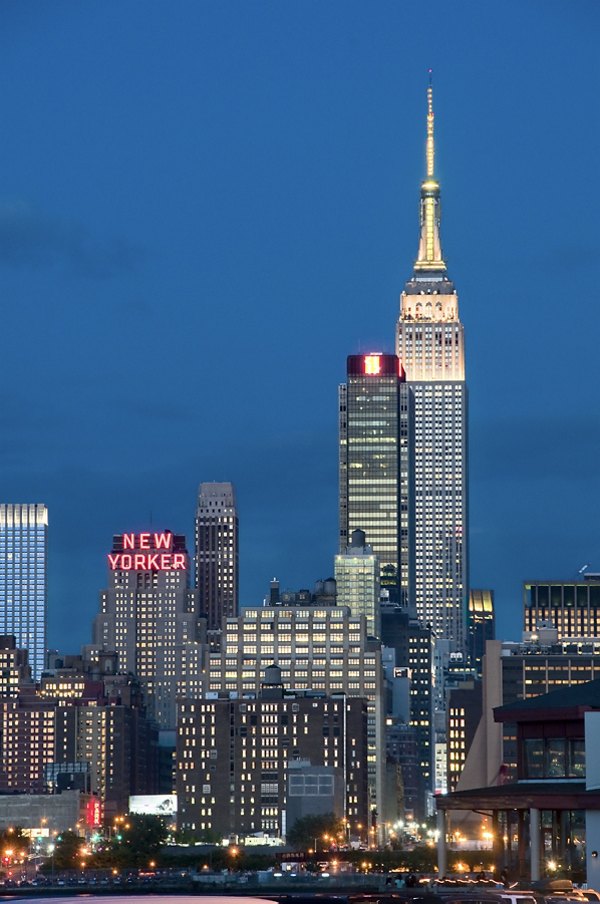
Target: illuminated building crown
429, 257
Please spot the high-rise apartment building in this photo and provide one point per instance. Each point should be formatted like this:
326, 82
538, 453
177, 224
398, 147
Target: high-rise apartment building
23, 587
318, 648
375, 423
234, 755
430, 345
148, 615
84, 727
14, 667
357, 581
217, 553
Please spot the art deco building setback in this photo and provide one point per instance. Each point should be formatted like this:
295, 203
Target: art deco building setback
217, 553
149, 616
357, 581
375, 470
317, 648
23, 586
430, 345
233, 756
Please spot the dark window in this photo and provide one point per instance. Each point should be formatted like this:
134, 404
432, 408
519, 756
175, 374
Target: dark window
534, 757
556, 758
542, 595
576, 757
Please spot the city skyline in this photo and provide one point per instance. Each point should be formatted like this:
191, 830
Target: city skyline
193, 209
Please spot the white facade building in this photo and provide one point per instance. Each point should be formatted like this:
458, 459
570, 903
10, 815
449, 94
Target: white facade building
357, 582
149, 616
430, 345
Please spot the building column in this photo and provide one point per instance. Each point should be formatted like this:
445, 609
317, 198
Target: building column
534, 839
522, 844
497, 842
442, 854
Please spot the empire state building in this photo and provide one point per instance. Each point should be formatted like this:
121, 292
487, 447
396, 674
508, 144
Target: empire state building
430, 345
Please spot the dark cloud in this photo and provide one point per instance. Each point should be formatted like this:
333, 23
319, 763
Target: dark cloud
29, 238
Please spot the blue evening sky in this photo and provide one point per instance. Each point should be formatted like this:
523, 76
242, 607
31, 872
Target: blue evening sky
205, 206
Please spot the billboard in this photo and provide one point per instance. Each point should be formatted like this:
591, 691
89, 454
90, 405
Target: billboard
154, 804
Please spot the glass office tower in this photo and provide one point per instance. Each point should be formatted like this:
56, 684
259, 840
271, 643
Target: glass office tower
375, 410
23, 587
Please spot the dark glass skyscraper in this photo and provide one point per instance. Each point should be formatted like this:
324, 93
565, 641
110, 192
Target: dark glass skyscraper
375, 423
217, 553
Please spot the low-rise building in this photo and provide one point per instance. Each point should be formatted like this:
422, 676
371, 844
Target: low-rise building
548, 817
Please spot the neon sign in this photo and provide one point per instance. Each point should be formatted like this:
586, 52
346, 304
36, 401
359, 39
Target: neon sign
158, 554
372, 364
93, 813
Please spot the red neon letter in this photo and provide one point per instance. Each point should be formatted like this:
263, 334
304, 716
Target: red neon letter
178, 560
113, 560
165, 561
163, 541
153, 561
139, 561
125, 561
128, 541
144, 541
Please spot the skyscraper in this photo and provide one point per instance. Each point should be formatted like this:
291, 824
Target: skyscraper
430, 345
23, 590
481, 625
217, 552
148, 615
357, 581
375, 425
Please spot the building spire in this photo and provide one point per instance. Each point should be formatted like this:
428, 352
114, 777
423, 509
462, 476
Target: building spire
430, 257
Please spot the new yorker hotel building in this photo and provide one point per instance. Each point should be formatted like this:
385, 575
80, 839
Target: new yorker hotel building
430, 344
149, 616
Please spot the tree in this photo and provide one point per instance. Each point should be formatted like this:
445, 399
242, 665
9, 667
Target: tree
140, 839
67, 853
322, 831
